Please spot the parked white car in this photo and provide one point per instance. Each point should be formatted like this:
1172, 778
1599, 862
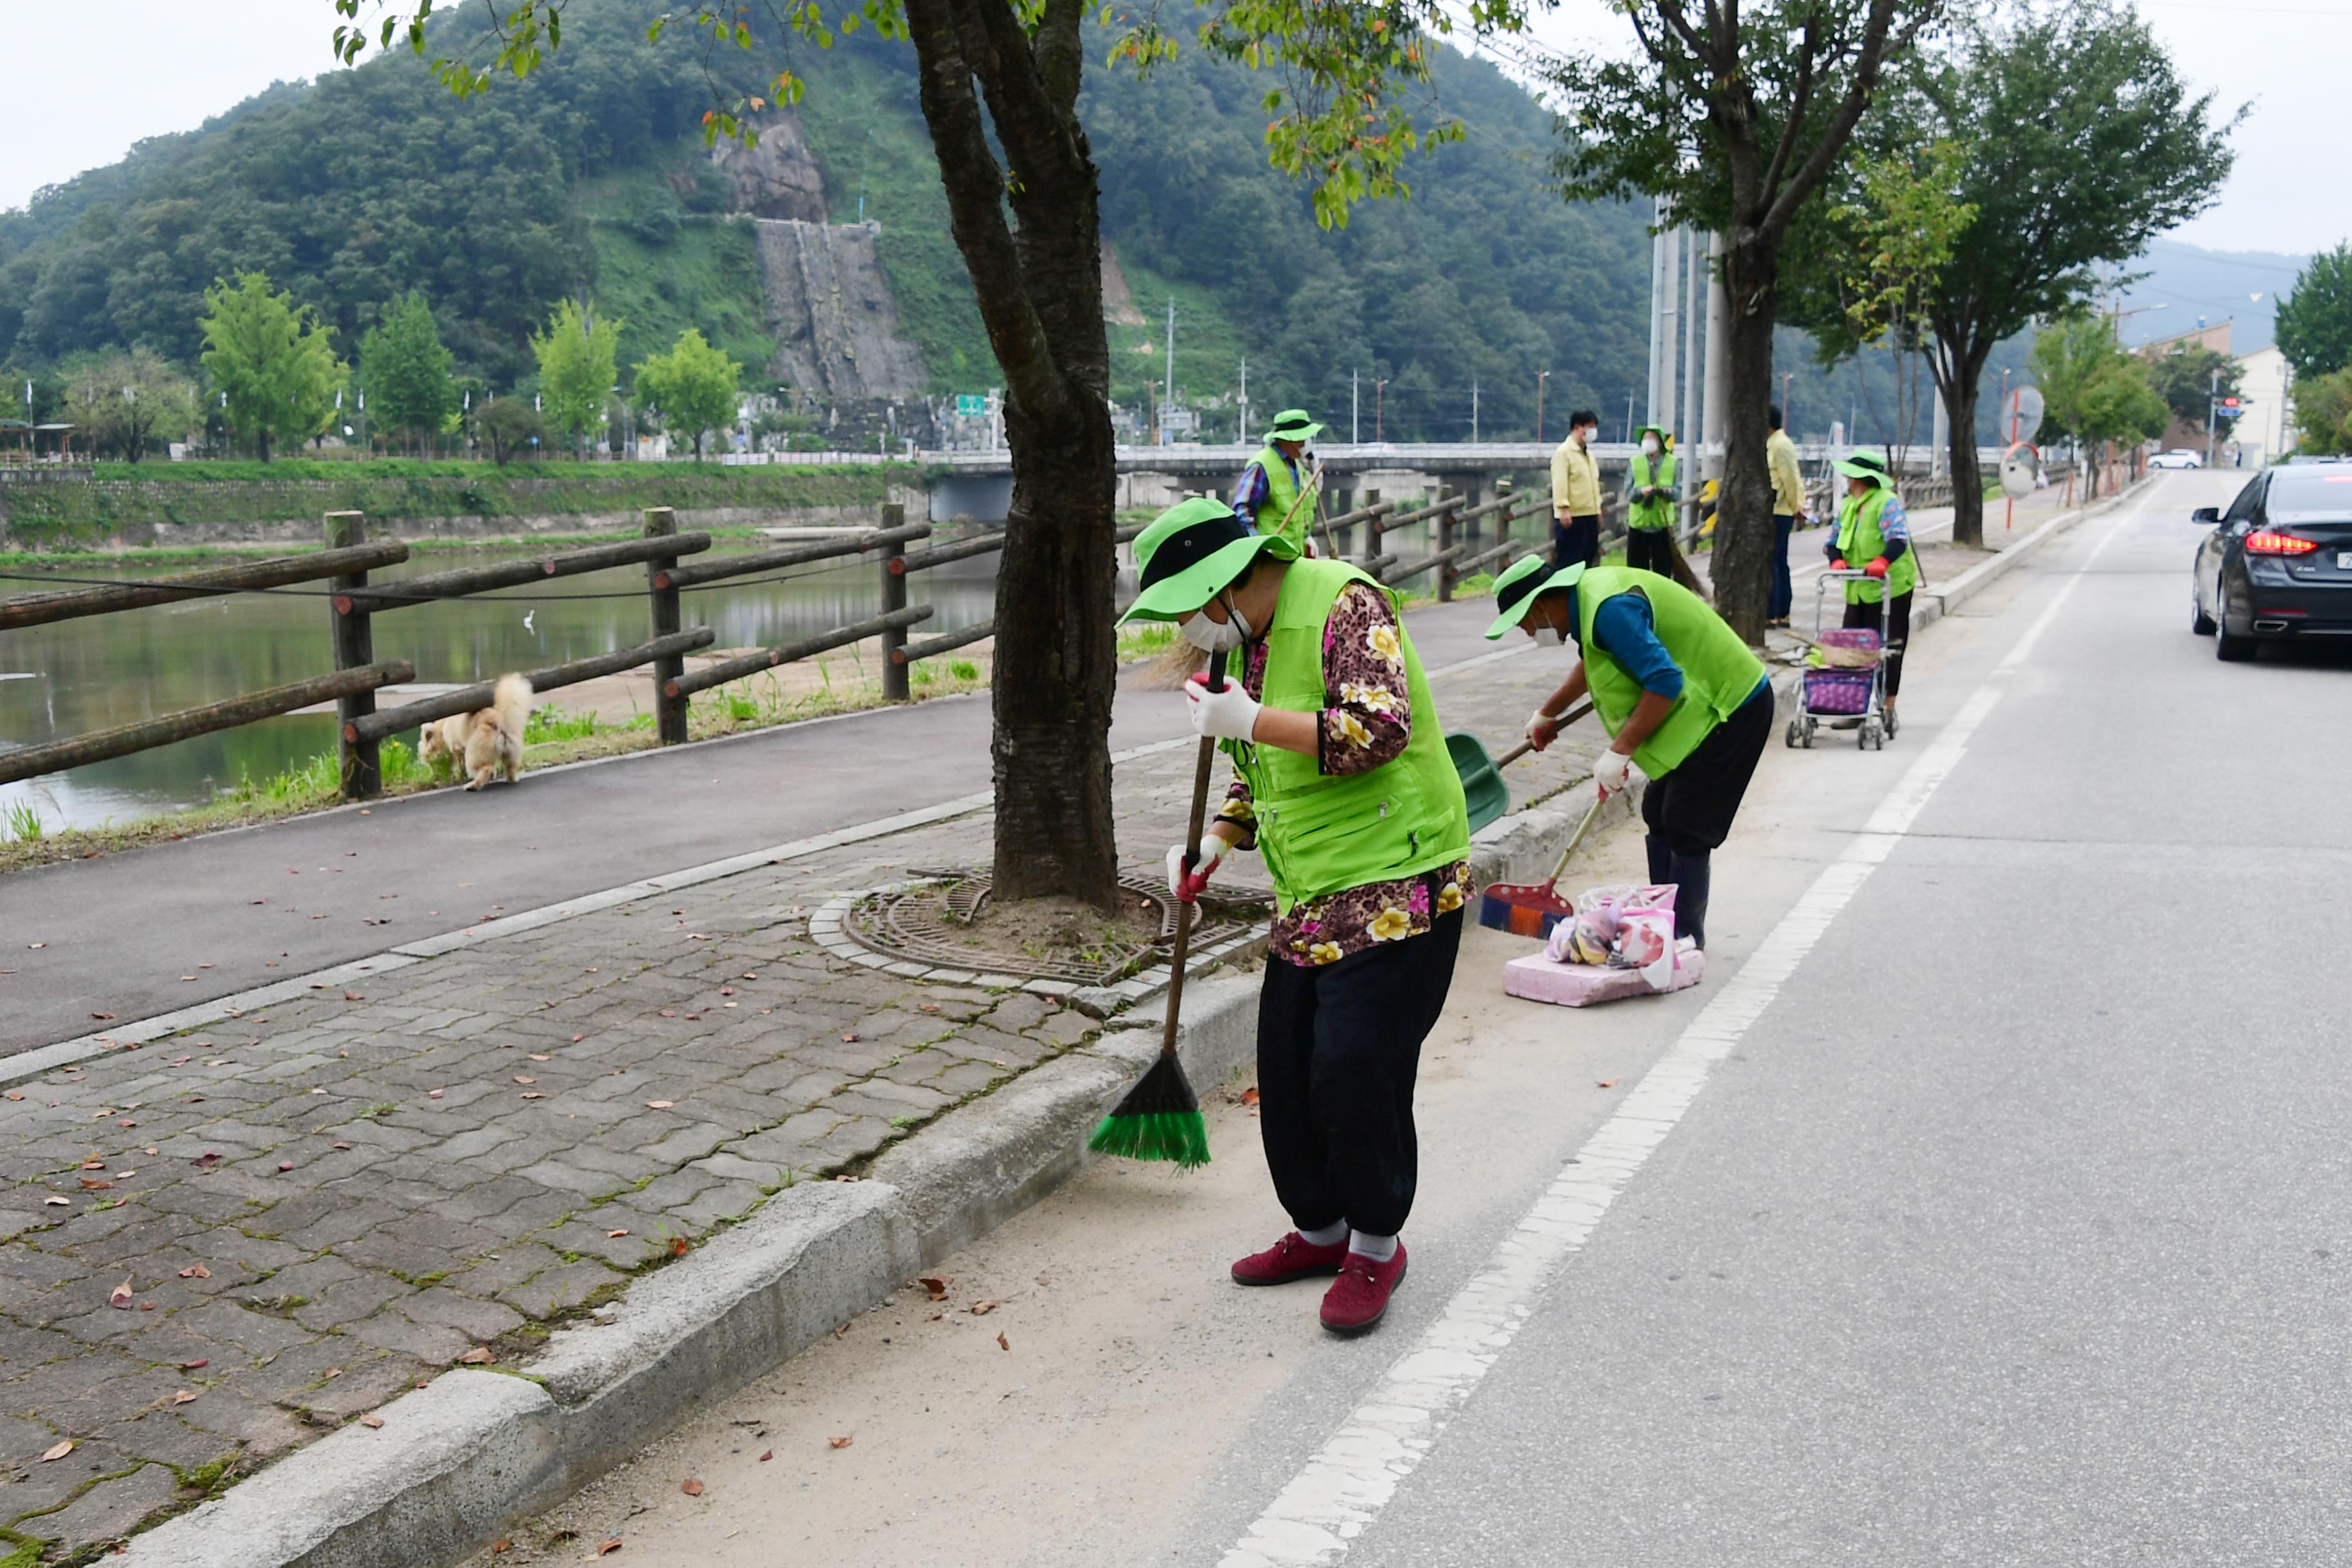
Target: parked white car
2178, 458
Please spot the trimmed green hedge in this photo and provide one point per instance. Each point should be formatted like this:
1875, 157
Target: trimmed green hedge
120, 495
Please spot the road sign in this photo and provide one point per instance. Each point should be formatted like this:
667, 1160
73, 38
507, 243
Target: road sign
970, 406
2019, 467
2024, 406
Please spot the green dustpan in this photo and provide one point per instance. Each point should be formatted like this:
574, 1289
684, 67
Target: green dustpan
1482, 782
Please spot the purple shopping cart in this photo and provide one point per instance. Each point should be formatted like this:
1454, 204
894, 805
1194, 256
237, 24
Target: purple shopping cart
1845, 684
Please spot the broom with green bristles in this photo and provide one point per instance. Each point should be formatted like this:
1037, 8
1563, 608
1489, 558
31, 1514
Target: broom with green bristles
1160, 1117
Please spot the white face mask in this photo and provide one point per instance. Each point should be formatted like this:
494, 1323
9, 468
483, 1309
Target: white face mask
1547, 636
1650, 447
1217, 636
1583, 436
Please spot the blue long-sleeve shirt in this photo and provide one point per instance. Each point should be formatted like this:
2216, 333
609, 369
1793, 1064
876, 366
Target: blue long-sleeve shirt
1628, 633
1250, 490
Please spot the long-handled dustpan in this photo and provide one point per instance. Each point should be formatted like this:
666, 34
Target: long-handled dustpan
1532, 908
1483, 788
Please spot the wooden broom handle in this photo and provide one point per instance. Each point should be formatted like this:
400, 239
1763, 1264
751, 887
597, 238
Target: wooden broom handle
1192, 857
1524, 747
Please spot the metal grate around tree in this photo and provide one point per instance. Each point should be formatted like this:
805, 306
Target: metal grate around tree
931, 922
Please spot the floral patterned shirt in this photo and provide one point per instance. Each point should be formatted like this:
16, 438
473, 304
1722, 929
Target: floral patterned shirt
1367, 721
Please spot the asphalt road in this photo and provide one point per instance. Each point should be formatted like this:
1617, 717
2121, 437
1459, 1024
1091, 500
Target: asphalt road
232, 910
1992, 1209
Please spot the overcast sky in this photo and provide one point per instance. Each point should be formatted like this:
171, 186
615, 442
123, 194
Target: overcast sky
76, 100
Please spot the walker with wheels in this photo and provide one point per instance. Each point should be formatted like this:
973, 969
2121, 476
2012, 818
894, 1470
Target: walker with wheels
1845, 680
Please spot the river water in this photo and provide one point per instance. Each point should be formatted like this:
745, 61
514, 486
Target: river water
73, 677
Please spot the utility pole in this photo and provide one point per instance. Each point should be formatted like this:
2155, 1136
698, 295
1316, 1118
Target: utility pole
1243, 435
1474, 410
1714, 405
1664, 294
1686, 470
1541, 376
2213, 413
1788, 421
1379, 405
1171, 392
1355, 424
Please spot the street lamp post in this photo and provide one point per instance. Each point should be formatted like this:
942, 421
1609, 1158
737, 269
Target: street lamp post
1541, 376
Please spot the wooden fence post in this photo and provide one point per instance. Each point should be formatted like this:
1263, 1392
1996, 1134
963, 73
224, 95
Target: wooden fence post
1445, 574
1371, 530
895, 687
669, 712
360, 763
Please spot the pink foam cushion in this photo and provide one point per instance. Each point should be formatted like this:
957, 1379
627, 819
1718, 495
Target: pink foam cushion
1538, 979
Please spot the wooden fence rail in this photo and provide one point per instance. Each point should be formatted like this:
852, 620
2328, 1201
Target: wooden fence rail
277, 572
469, 580
30, 762
767, 659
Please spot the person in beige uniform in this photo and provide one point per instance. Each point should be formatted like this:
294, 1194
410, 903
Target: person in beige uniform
1576, 494
1788, 515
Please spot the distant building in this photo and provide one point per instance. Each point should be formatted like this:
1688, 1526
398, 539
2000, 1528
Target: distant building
2265, 429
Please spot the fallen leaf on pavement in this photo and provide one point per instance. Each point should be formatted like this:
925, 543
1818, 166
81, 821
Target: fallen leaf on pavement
609, 1547
840, 1442
1608, 1083
432, 1094
577, 1038
766, 1457
198, 1365
93, 1015
1002, 1344
661, 1104
677, 1246
849, 1036
332, 1372
121, 1296
343, 1145
540, 1056
478, 1356
929, 1006
937, 1284
92, 1185
208, 1159
500, 1546
533, 1094
524, 1078
195, 1271
58, 1202
935, 1317
981, 1309
690, 1488
1249, 1096
354, 997
284, 1165
58, 1450
370, 1420
669, 1011
185, 1396
14, 1094
614, 1235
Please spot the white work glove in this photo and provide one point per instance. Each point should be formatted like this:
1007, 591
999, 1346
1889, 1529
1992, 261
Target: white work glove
1228, 715
1188, 886
1609, 774
1542, 729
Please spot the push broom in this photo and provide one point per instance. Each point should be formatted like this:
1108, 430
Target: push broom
1160, 1117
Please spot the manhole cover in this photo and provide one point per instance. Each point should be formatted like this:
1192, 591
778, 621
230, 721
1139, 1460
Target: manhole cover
931, 922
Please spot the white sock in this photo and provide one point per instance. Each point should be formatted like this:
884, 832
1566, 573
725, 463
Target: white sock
1329, 1236
1378, 1249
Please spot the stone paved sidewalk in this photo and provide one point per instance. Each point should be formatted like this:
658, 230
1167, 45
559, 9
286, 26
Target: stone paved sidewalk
225, 1243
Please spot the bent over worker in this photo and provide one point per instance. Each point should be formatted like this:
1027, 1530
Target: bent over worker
1346, 786
1677, 690
1277, 493
1874, 531
1650, 504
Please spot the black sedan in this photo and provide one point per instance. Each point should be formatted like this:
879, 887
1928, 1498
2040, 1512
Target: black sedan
2279, 561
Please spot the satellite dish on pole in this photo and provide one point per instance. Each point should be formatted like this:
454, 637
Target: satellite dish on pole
2019, 467
2021, 420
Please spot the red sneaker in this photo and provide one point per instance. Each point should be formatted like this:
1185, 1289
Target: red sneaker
1292, 1257
1360, 1294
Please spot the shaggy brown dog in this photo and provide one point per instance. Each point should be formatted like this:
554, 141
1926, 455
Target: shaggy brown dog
486, 740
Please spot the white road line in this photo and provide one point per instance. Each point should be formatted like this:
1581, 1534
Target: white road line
1343, 1487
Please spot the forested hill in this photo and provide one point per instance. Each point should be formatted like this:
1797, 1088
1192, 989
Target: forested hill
593, 176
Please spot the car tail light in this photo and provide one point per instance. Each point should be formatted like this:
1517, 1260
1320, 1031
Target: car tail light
2268, 541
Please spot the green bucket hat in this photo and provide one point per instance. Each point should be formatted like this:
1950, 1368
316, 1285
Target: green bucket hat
1516, 588
1293, 425
1191, 553
1865, 465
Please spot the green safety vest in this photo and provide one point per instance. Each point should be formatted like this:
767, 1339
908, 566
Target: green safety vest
1720, 671
1322, 835
1859, 542
1287, 510
1655, 513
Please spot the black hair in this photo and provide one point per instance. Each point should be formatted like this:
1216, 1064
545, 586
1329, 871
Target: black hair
1776, 417
1583, 417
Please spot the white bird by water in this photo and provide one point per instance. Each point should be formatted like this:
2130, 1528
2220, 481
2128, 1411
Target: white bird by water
526, 618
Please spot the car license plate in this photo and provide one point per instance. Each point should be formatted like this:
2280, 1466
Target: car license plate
2344, 560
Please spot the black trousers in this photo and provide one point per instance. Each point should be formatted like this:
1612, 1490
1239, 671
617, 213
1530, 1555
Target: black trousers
1650, 550
1338, 1048
1898, 633
1577, 538
1691, 808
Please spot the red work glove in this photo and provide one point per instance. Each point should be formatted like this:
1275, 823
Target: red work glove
1877, 567
1838, 564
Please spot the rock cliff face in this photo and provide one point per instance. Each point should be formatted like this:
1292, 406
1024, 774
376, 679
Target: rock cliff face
778, 178
830, 310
